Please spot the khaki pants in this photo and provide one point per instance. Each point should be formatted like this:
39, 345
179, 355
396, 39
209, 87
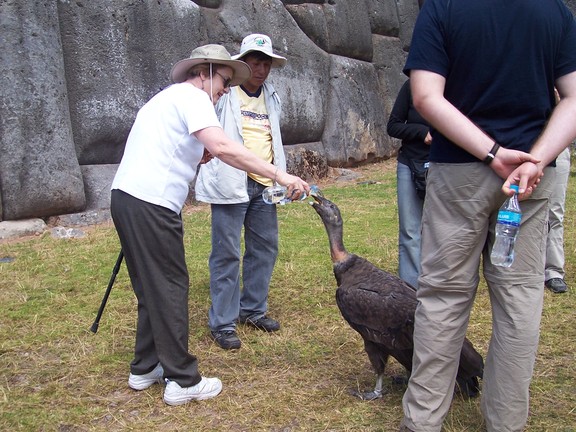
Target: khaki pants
555, 244
460, 210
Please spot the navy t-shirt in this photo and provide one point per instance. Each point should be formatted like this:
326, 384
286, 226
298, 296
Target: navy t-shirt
500, 60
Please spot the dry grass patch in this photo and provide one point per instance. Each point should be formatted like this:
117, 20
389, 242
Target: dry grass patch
58, 376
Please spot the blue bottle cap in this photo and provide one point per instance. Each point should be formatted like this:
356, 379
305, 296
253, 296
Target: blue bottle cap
514, 188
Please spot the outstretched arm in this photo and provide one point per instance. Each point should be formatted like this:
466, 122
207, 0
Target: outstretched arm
235, 154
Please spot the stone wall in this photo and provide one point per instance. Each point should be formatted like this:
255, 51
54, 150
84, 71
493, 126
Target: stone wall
73, 75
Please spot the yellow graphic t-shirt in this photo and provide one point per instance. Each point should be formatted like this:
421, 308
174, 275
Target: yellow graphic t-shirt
256, 129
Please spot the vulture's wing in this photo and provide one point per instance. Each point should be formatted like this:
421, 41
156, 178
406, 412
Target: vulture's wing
375, 303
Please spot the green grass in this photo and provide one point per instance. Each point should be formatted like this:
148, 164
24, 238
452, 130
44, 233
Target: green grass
58, 376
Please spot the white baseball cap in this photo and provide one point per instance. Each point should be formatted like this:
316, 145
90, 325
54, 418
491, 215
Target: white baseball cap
262, 43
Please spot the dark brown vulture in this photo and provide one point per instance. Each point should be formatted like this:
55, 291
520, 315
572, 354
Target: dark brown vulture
381, 306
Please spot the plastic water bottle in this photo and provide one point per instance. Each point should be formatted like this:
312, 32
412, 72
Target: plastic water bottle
277, 194
507, 228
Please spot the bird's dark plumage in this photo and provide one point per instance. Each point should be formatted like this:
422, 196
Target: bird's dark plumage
381, 307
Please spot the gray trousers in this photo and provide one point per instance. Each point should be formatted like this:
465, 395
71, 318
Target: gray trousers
460, 210
151, 237
555, 243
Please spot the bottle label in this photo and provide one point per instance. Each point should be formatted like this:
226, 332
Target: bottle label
509, 218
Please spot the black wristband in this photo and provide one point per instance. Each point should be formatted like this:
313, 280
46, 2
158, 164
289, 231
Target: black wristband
491, 154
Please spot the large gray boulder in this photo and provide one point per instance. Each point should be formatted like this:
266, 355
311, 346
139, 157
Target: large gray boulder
39, 170
338, 27
384, 17
389, 59
356, 130
117, 55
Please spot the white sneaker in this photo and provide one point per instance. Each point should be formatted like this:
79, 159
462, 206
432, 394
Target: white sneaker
207, 388
141, 382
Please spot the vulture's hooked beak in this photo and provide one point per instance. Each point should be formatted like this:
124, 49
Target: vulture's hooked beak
322, 205
318, 200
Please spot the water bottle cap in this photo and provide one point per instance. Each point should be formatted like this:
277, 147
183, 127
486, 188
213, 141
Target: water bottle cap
514, 188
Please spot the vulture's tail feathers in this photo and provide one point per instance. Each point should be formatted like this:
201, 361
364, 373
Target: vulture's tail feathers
468, 387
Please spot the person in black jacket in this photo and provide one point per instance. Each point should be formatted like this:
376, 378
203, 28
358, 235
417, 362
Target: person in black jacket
406, 124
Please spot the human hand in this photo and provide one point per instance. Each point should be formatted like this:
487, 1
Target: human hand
506, 161
294, 184
526, 176
428, 139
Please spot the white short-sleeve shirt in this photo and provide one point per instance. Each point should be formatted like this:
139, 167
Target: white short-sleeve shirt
162, 154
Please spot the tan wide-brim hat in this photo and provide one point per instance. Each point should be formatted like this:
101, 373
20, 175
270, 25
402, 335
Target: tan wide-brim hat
263, 44
211, 53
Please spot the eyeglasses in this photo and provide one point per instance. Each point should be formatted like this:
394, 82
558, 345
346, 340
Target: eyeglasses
226, 81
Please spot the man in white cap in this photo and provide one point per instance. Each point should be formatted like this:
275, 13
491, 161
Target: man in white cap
250, 114
165, 145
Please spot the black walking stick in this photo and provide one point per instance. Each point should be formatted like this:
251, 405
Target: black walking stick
94, 327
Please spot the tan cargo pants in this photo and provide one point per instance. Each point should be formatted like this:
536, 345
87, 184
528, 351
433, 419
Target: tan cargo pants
460, 210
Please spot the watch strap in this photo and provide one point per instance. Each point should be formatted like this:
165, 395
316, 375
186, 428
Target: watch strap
491, 154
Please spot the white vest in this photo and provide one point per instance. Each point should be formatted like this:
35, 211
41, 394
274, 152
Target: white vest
219, 183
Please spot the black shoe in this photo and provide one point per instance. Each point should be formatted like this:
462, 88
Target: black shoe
264, 323
226, 339
556, 285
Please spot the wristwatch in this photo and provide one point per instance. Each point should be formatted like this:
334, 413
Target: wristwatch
491, 154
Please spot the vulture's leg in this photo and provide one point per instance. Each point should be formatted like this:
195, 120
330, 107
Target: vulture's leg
378, 359
374, 394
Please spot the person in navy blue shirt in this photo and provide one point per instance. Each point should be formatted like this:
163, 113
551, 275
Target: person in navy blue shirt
482, 74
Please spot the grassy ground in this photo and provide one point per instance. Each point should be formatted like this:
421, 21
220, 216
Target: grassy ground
58, 376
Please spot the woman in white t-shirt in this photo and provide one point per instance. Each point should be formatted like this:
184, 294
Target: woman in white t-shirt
174, 132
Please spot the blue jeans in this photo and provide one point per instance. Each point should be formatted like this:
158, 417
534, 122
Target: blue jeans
260, 224
410, 221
